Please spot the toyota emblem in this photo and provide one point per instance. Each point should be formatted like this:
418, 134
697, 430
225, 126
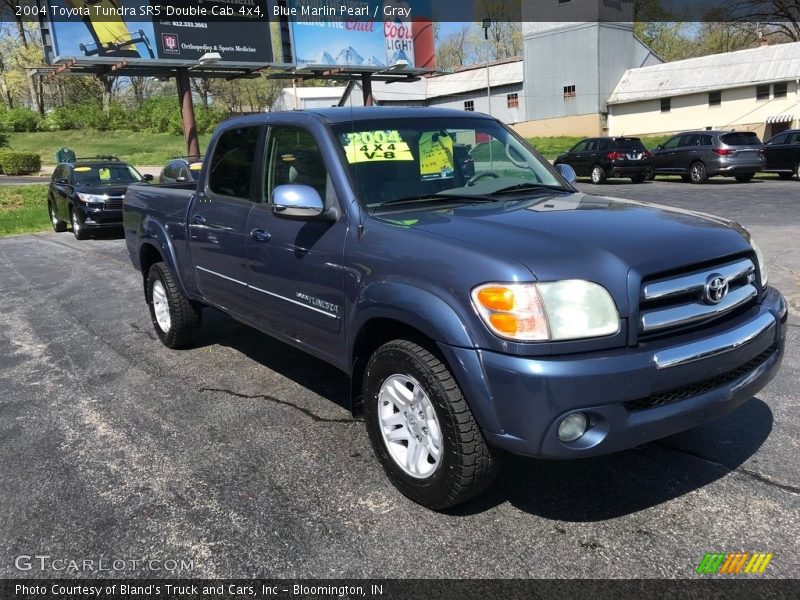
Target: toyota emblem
716, 289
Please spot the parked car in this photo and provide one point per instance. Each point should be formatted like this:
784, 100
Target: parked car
698, 155
181, 169
88, 193
783, 154
503, 309
604, 157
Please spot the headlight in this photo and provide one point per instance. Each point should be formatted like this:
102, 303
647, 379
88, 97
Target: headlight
92, 198
762, 264
557, 310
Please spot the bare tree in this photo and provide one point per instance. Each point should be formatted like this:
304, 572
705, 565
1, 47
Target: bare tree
455, 49
779, 18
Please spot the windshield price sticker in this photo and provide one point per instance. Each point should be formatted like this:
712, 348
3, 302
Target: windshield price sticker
371, 146
436, 156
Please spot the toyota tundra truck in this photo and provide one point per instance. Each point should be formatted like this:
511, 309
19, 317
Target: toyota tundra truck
480, 310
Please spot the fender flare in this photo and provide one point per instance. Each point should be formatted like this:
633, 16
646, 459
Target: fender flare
154, 234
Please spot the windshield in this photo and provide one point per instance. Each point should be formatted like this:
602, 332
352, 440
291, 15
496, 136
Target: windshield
396, 159
105, 174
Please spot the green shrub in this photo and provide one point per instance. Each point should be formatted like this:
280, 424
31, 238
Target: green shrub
19, 163
20, 119
3, 140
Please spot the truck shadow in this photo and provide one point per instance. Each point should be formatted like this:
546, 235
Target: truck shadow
596, 489
310, 372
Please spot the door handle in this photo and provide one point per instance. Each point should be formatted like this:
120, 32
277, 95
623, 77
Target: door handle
199, 220
260, 235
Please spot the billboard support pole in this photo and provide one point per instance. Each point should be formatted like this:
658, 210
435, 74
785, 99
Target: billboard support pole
187, 111
366, 87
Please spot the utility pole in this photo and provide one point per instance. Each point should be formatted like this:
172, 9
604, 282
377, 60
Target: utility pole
486, 24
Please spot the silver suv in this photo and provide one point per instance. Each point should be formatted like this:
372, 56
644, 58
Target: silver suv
698, 155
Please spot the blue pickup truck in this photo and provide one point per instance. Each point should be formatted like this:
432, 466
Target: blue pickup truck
494, 307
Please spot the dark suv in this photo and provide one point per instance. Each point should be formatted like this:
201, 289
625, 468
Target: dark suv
88, 193
783, 154
698, 155
604, 157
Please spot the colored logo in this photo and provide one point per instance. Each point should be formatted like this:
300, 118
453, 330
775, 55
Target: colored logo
734, 563
170, 43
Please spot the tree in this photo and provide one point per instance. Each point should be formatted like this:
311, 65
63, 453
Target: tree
778, 18
455, 49
505, 33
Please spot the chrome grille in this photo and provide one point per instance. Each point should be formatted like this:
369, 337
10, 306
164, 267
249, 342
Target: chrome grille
680, 301
114, 203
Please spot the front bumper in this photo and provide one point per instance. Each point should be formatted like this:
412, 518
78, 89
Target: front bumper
630, 395
100, 217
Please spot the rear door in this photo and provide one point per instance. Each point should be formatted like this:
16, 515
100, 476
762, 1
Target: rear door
218, 220
60, 190
689, 150
295, 266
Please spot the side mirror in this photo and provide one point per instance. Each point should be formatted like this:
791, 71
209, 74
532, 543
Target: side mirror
147, 177
567, 172
297, 201
659, 147
61, 181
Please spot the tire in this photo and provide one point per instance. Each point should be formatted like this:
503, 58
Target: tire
698, 173
785, 176
685, 178
58, 225
797, 170
78, 228
179, 325
639, 178
745, 177
465, 465
598, 175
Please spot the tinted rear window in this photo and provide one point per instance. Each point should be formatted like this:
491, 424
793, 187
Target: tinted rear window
740, 138
627, 144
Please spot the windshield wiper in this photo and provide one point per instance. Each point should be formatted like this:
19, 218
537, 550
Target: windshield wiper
526, 187
434, 198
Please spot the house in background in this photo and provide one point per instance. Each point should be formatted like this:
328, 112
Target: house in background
754, 90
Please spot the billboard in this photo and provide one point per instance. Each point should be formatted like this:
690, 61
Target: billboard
178, 32
362, 33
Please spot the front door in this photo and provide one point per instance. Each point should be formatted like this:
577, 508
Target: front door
218, 220
296, 270
665, 158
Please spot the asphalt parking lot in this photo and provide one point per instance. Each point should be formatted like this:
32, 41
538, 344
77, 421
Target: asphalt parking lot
238, 455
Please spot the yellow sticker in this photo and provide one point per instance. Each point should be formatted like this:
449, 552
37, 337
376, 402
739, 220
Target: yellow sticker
436, 155
373, 146
105, 174
195, 166
82, 169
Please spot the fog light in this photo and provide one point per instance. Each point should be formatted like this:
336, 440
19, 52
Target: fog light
572, 427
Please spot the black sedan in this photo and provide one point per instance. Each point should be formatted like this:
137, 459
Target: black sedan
88, 194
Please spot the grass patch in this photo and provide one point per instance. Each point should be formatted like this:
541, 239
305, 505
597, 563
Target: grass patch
137, 148
23, 209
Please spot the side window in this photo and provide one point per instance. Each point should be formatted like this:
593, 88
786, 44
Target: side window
603, 144
580, 146
591, 145
672, 143
705, 140
233, 162
293, 158
58, 173
691, 140
778, 139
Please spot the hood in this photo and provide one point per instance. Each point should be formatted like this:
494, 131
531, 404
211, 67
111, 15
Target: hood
580, 236
108, 190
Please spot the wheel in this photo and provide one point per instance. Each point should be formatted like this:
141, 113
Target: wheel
651, 175
639, 178
685, 178
745, 177
78, 228
58, 224
697, 173
785, 175
175, 319
598, 175
422, 429
797, 170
